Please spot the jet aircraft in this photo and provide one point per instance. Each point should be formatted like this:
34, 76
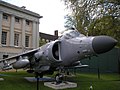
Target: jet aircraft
65, 52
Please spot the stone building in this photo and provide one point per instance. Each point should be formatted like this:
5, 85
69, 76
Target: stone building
19, 29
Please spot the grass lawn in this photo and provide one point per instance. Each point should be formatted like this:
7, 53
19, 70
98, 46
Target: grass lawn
15, 81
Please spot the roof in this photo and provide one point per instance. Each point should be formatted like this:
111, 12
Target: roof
47, 36
2, 3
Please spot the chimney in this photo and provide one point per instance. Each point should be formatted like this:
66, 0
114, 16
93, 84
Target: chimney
23, 7
56, 32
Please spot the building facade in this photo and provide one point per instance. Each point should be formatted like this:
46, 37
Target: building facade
19, 29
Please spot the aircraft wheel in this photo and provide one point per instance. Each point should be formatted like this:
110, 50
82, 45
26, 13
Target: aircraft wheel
58, 78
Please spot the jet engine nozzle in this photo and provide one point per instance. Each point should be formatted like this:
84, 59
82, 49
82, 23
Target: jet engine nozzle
102, 44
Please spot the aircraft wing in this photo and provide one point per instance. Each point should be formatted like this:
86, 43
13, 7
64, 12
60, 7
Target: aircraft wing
39, 60
17, 61
28, 53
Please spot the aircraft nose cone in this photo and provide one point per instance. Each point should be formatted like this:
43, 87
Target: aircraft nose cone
102, 44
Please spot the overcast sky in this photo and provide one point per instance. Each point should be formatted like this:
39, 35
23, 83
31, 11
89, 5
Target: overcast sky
53, 12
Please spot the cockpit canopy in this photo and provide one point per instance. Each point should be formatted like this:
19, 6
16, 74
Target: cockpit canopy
69, 34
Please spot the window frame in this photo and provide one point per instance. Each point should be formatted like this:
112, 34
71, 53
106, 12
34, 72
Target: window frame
27, 22
17, 19
5, 17
16, 39
4, 38
27, 40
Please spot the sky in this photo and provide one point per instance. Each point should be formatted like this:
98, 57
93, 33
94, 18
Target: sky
53, 12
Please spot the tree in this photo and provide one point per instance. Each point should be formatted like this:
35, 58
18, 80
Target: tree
99, 16
82, 12
70, 22
42, 42
107, 25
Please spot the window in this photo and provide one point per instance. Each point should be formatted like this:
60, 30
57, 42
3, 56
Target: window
26, 41
16, 39
4, 38
5, 17
17, 19
27, 22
